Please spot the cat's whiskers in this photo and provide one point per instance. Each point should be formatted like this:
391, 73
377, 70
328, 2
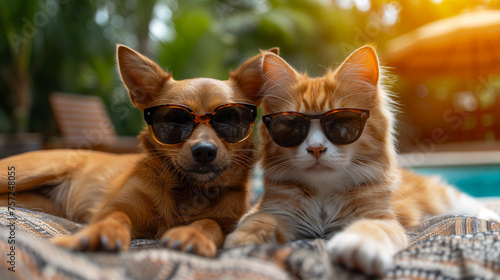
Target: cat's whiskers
359, 160
276, 165
373, 181
366, 195
354, 178
323, 66
275, 160
280, 171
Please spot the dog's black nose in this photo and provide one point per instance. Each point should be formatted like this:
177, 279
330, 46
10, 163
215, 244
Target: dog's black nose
204, 152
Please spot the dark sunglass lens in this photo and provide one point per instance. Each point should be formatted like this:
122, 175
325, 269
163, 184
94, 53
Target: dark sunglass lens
343, 127
232, 123
172, 125
288, 130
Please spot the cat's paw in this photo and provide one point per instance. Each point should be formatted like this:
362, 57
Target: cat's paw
357, 251
189, 240
242, 238
101, 236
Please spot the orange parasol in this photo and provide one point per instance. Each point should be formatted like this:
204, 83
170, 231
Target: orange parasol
465, 46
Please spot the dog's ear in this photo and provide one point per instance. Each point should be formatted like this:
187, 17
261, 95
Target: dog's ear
143, 78
248, 77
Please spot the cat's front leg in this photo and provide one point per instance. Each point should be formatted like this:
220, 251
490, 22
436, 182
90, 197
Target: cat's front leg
368, 245
258, 228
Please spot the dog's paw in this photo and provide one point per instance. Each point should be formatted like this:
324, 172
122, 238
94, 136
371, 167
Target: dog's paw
360, 252
101, 236
189, 240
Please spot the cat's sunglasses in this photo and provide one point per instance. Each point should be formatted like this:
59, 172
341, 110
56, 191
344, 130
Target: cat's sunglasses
172, 124
341, 126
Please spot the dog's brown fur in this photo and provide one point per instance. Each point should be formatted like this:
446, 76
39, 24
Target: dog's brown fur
148, 195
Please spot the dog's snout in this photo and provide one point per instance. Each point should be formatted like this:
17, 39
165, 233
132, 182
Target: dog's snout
204, 152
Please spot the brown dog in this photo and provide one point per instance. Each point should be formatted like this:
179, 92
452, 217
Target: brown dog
190, 185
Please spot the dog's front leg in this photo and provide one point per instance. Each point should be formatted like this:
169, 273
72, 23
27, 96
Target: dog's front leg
111, 233
201, 237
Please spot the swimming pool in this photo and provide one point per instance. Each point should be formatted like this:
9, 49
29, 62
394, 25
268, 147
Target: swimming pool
474, 172
476, 180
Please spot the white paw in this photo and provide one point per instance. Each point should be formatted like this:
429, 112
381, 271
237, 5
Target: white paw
487, 214
361, 252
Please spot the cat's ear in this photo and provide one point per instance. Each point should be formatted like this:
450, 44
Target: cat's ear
249, 78
362, 65
274, 50
277, 72
144, 79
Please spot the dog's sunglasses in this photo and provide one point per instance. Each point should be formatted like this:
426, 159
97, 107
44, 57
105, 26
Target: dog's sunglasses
341, 126
173, 124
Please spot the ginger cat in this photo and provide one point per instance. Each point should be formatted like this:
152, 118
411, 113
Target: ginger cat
334, 174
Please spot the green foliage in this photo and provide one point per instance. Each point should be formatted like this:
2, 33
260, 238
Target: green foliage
62, 45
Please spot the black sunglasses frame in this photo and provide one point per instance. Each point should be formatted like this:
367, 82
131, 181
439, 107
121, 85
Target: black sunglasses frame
363, 114
198, 118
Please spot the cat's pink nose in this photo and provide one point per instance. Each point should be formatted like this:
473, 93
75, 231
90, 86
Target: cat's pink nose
316, 151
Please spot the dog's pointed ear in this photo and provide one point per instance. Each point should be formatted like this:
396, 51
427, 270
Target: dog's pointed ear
248, 77
143, 78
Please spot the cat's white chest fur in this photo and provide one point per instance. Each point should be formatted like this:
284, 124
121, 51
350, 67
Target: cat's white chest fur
322, 221
310, 216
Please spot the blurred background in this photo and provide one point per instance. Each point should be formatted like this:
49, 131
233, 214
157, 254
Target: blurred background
443, 56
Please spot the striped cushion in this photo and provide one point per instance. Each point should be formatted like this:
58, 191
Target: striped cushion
448, 247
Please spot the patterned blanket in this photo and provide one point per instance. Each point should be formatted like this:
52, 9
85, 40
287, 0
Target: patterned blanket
448, 247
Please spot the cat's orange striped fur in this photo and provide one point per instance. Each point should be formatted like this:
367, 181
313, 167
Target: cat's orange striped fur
355, 195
